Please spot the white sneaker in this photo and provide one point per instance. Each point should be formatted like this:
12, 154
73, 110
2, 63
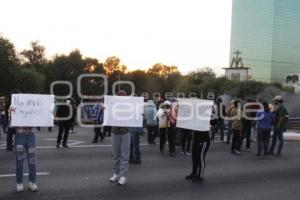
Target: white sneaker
114, 178
122, 181
20, 187
33, 187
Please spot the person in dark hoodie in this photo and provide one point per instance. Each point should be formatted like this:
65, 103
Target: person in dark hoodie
67, 113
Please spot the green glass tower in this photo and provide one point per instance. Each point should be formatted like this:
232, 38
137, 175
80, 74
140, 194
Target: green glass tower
267, 32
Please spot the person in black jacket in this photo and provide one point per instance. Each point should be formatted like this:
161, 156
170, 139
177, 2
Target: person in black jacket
67, 115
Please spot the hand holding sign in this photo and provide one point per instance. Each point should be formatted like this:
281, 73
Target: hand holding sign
32, 110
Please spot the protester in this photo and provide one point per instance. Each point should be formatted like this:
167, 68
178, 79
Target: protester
24, 143
151, 121
221, 113
135, 153
264, 122
98, 123
67, 113
248, 120
237, 128
3, 115
163, 127
121, 151
229, 111
281, 117
11, 130
172, 131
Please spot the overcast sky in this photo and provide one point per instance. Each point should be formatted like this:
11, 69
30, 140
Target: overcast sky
187, 33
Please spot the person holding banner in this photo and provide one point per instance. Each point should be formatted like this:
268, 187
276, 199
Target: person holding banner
121, 151
24, 143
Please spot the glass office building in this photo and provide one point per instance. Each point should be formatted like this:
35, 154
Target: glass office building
267, 32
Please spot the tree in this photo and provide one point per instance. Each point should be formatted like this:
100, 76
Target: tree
34, 57
113, 64
8, 63
162, 70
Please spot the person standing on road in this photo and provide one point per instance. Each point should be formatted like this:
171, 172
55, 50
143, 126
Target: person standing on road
221, 113
237, 128
151, 121
67, 113
121, 151
98, 122
281, 117
172, 130
24, 144
163, 126
135, 152
264, 122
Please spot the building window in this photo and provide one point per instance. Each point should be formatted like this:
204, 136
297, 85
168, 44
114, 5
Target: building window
235, 76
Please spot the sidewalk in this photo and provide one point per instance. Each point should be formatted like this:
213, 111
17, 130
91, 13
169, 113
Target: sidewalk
292, 135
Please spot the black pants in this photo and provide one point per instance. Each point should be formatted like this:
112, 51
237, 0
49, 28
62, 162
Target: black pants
219, 125
201, 145
247, 134
236, 140
163, 133
9, 138
152, 134
186, 139
98, 134
107, 131
263, 140
63, 133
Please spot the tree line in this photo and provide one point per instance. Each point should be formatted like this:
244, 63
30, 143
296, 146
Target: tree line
31, 72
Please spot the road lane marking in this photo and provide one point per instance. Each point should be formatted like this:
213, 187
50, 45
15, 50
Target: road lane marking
79, 146
25, 174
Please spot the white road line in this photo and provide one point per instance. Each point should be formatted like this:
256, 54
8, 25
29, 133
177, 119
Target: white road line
80, 146
25, 174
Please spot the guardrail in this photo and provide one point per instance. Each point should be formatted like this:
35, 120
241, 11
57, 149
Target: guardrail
293, 123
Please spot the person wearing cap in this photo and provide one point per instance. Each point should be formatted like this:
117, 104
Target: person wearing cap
121, 151
281, 116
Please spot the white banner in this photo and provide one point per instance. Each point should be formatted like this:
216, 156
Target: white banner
123, 111
194, 114
32, 110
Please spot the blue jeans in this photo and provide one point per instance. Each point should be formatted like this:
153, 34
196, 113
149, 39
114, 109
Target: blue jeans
25, 143
135, 153
278, 134
121, 152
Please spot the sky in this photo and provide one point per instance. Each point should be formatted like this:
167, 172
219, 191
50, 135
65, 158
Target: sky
187, 33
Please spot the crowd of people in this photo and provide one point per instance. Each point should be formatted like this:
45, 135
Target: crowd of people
235, 123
